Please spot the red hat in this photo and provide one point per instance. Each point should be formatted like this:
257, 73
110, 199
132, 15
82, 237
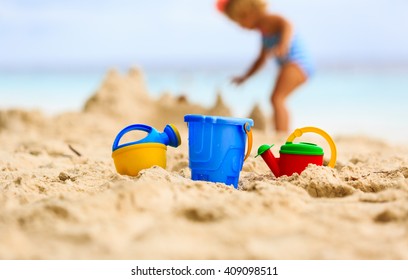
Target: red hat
222, 5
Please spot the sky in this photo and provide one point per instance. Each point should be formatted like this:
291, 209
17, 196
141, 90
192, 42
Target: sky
186, 33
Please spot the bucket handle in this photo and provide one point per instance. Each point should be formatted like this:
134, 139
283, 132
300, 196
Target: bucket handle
299, 132
248, 132
129, 128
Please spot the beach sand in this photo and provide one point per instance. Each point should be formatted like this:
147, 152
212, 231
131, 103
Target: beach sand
56, 204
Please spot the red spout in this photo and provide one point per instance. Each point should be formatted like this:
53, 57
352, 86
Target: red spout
272, 162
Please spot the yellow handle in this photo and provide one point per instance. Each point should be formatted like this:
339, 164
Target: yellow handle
299, 132
248, 132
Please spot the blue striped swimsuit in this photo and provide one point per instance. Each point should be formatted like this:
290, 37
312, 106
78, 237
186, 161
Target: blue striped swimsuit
297, 52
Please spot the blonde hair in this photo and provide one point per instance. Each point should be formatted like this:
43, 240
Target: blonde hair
236, 7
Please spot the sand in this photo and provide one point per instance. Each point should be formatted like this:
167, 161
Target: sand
56, 204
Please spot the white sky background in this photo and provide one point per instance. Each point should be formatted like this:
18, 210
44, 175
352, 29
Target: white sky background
58, 34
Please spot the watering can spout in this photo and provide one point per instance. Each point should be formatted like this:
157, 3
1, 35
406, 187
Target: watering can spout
273, 163
170, 136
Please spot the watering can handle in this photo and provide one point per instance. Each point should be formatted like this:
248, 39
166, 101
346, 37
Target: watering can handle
248, 131
299, 132
129, 128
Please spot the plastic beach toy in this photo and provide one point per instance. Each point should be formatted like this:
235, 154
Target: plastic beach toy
295, 157
217, 147
130, 158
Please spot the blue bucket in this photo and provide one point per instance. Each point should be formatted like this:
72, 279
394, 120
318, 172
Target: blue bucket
217, 147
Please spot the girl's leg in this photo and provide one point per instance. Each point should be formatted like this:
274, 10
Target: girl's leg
289, 78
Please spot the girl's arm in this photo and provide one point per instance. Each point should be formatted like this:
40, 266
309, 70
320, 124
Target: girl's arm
258, 63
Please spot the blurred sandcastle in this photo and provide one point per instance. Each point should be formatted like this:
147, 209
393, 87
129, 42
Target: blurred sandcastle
120, 95
126, 97
258, 117
220, 109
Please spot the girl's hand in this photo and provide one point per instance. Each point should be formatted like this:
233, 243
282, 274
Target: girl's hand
239, 80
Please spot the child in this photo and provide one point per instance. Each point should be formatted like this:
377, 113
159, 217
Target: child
279, 40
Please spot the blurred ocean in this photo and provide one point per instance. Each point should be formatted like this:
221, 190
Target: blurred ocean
369, 102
